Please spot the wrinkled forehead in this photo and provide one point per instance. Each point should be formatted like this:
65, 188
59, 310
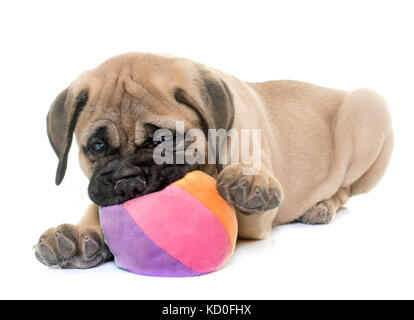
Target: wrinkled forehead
128, 92
125, 122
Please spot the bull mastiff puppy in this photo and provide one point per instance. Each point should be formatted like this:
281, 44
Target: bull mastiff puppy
318, 146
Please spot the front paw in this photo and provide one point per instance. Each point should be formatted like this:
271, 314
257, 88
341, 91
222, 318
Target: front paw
69, 246
249, 194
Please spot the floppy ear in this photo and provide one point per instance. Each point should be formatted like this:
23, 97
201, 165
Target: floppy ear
214, 106
61, 122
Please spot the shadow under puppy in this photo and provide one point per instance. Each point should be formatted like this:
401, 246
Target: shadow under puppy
319, 146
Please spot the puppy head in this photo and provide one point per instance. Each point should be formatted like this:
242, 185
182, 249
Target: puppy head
118, 112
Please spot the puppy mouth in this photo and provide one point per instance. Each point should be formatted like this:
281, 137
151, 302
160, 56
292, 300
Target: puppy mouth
105, 191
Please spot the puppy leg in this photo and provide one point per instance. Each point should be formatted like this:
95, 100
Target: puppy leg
364, 143
256, 226
372, 176
255, 197
325, 211
74, 246
365, 116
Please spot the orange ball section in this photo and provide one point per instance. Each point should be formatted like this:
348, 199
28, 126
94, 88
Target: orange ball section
203, 187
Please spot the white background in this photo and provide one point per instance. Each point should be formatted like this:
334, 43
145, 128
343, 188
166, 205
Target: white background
366, 253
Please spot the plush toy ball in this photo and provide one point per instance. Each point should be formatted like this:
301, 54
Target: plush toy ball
186, 229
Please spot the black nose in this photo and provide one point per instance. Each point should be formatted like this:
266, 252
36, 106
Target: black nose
130, 188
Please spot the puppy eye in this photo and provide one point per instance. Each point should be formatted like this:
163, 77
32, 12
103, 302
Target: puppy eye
98, 147
163, 138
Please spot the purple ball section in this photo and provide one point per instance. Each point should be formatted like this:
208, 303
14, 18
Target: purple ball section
134, 250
